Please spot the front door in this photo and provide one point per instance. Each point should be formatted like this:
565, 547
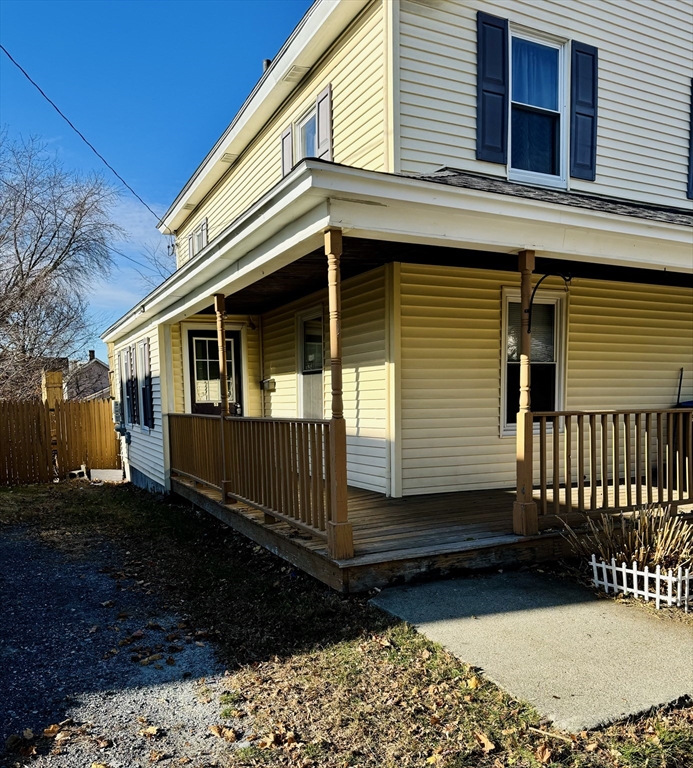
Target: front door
205, 389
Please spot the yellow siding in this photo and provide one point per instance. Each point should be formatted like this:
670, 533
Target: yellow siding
177, 364
625, 346
253, 395
364, 377
645, 68
354, 67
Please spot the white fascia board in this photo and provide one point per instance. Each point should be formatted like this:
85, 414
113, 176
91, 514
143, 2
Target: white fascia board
369, 204
286, 202
316, 32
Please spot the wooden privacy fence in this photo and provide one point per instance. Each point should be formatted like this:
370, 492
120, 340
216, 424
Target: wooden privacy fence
591, 460
39, 444
283, 467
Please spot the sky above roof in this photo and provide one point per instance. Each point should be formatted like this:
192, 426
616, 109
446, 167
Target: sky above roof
152, 84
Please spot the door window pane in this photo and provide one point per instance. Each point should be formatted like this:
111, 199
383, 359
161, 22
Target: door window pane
207, 382
312, 345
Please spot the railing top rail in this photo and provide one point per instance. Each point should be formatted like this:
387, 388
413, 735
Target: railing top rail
276, 421
630, 412
193, 416
248, 418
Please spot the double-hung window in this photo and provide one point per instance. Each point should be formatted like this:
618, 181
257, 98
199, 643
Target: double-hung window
307, 136
546, 369
310, 135
530, 116
197, 239
537, 111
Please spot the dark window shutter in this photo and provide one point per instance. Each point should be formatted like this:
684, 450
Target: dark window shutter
147, 392
287, 151
133, 386
689, 192
323, 112
491, 88
584, 65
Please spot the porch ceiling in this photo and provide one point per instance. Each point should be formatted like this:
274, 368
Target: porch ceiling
309, 273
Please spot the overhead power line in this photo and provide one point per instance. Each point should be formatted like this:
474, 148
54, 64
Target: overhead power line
76, 130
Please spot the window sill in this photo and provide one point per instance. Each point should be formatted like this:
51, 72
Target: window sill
537, 179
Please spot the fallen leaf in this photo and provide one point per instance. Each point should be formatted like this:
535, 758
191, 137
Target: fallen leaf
99, 765
95, 628
28, 734
149, 731
62, 736
591, 746
170, 661
484, 742
51, 731
543, 753
473, 682
508, 731
27, 750
217, 730
154, 757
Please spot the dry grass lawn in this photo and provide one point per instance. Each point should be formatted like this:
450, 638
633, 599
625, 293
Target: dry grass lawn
314, 678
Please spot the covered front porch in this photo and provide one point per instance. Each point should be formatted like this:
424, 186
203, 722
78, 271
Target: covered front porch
284, 481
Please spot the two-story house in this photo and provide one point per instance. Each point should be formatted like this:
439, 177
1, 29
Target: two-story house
437, 271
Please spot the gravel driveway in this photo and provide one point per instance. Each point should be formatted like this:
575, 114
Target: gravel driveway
85, 648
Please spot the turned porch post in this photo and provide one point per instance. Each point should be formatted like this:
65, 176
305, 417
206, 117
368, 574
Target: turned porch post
220, 309
525, 514
340, 536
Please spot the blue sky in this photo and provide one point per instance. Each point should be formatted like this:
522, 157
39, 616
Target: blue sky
151, 83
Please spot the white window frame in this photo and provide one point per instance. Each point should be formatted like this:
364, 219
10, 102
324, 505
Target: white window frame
315, 313
532, 177
312, 113
559, 300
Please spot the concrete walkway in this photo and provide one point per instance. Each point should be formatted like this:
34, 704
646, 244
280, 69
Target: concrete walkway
581, 661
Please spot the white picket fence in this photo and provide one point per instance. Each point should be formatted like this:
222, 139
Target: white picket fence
669, 588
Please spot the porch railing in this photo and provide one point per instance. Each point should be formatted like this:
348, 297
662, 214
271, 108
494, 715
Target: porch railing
592, 460
283, 467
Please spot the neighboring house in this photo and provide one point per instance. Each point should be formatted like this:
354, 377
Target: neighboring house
454, 152
87, 380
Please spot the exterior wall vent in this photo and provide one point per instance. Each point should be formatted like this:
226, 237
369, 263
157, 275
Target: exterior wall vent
227, 157
295, 74
189, 206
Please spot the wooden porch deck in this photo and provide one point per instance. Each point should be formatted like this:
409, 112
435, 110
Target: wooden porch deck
395, 540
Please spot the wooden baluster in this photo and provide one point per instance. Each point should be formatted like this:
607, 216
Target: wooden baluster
627, 459
593, 462
680, 480
318, 469
605, 461
689, 452
568, 463
542, 464
328, 473
294, 472
671, 457
315, 483
616, 471
581, 462
638, 458
556, 464
648, 456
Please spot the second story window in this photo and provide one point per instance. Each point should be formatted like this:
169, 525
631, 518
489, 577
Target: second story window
537, 124
197, 239
311, 135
